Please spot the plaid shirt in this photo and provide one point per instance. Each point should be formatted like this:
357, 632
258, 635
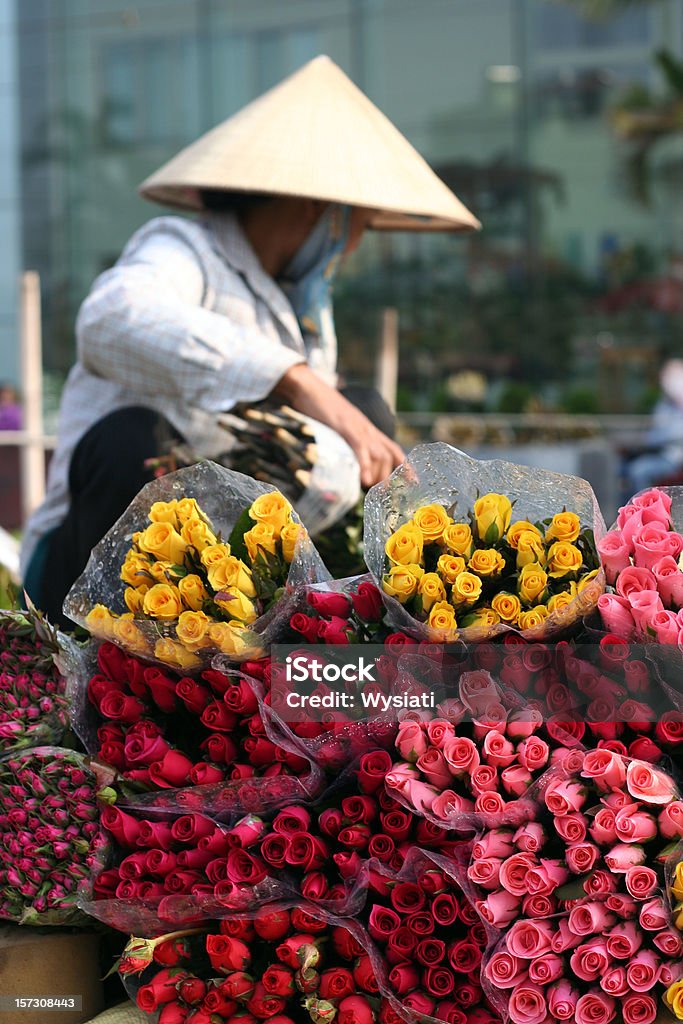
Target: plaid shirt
188, 323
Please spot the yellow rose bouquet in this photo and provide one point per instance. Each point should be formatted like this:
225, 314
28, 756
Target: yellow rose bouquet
474, 566
183, 591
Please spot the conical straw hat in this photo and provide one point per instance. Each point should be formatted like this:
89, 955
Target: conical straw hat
316, 135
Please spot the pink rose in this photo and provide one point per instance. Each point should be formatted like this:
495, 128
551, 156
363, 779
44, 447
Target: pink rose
439, 731
497, 843
622, 857
629, 521
600, 883
590, 960
527, 1004
607, 769
643, 607
411, 741
533, 753
546, 969
634, 581
461, 755
670, 942
652, 542
489, 804
649, 784
419, 795
564, 938
529, 939
664, 627
654, 915
669, 581
498, 751
633, 825
433, 766
656, 503
616, 614
563, 797
538, 905
516, 779
615, 800
485, 872
615, 554
624, 940
622, 904
562, 1000
484, 779
521, 724
514, 871
546, 877
643, 970
529, 838
505, 970
449, 804
595, 1008
614, 983
499, 909
671, 820
639, 1009
590, 919
581, 857
603, 829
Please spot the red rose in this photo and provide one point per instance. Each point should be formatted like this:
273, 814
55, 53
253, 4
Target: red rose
464, 956
114, 754
291, 820
274, 849
421, 924
112, 662
407, 897
399, 640
445, 909
271, 924
120, 708
194, 696
205, 774
356, 837
420, 1002
367, 602
263, 1005
306, 625
383, 922
242, 771
288, 950
397, 824
404, 978
161, 989
439, 981
430, 952
669, 728
278, 980
306, 922
336, 631
241, 699
449, 1012
172, 771
565, 730
238, 986
144, 750
364, 975
336, 983
514, 673
637, 676
161, 688
190, 828
428, 833
614, 651
242, 867
359, 810
306, 852
124, 827
400, 946
218, 1002
219, 749
372, 769
345, 945
381, 847
643, 749
173, 1013
218, 716
329, 604
355, 1010
331, 821
195, 860
171, 952
432, 881
315, 886
181, 881
218, 681
227, 954
387, 1014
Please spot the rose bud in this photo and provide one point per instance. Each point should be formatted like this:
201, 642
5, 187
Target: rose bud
288, 951
306, 922
278, 980
238, 986
355, 1010
420, 1002
263, 1005
161, 989
345, 945
227, 954
172, 951
336, 983
237, 929
173, 1013
271, 924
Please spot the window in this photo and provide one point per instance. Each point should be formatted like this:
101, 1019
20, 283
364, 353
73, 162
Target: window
560, 28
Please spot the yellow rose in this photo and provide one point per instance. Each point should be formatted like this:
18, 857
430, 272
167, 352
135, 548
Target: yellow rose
430, 589
175, 655
216, 553
164, 512
273, 509
99, 621
402, 581
486, 562
507, 607
442, 618
559, 601
162, 601
531, 584
458, 539
135, 571
134, 598
519, 527
192, 591
449, 567
289, 539
231, 572
585, 580
678, 917
160, 572
186, 509
530, 548
673, 997
466, 589
164, 542
492, 513
230, 638
192, 628
564, 526
563, 559
405, 546
482, 618
533, 617
130, 636
260, 538
197, 534
677, 884
237, 605
431, 521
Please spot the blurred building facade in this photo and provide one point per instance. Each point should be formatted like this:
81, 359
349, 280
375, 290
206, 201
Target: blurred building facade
508, 99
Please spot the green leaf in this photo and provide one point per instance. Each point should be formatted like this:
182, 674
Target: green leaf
236, 538
571, 891
492, 535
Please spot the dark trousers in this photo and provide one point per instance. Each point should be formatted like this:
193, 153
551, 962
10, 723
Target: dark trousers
107, 470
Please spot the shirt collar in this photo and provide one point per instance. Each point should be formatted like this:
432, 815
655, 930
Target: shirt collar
236, 250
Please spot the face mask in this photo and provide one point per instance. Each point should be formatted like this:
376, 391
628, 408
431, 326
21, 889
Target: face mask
306, 280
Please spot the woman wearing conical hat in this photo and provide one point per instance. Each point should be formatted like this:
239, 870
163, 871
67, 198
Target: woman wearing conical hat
233, 306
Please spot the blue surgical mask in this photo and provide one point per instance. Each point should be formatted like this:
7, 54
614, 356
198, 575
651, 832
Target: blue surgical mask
307, 279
